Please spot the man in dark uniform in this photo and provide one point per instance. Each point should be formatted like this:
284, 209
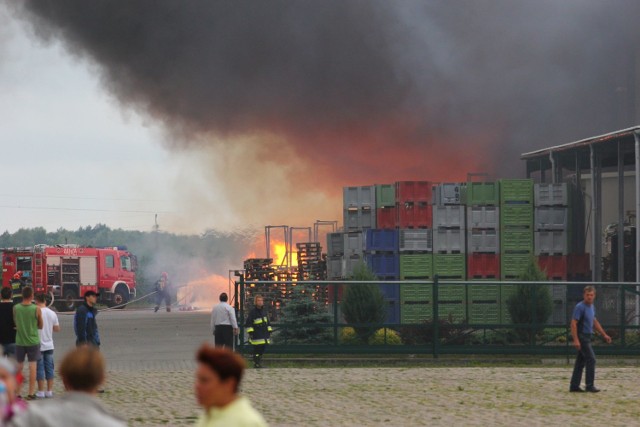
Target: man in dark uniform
259, 330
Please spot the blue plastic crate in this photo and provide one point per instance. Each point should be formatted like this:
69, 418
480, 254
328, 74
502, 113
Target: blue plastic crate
384, 265
381, 240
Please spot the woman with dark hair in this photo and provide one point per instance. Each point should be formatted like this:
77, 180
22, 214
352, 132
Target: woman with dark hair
218, 379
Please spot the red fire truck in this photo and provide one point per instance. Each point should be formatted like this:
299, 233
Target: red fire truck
66, 272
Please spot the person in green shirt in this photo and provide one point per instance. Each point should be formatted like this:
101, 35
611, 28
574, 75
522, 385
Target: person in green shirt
28, 319
217, 383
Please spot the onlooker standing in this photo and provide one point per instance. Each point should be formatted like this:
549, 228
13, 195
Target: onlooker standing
82, 371
7, 323
84, 321
259, 330
224, 323
50, 325
28, 318
8, 377
218, 379
582, 325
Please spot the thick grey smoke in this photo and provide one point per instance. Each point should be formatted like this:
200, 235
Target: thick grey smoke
364, 90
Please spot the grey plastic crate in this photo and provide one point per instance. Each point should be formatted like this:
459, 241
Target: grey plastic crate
559, 313
449, 217
551, 194
349, 263
487, 217
448, 240
360, 197
550, 243
416, 240
449, 193
483, 241
335, 244
551, 218
359, 219
334, 267
353, 243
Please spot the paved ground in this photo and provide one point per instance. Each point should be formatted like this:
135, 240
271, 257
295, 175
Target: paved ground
150, 362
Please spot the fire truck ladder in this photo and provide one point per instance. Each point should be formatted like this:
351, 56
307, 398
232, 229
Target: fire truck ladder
38, 257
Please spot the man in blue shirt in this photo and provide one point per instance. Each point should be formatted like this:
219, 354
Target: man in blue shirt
583, 323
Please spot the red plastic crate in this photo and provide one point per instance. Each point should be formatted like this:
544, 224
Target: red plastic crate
386, 217
331, 292
554, 266
578, 266
414, 191
483, 266
415, 215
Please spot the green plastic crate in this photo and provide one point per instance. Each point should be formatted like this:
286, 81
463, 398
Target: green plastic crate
516, 190
450, 266
415, 313
483, 193
483, 293
484, 313
416, 293
452, 292
385, 195
513, 265
455, 312
516, 215
416, 266
516, 239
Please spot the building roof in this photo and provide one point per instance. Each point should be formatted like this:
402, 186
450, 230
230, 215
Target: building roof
609, 137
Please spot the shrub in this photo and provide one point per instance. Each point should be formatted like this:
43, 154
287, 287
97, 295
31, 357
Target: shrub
520, 304
385, 336
363, 304
348, 336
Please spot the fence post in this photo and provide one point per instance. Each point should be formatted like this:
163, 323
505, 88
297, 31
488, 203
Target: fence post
240, 302
534, 312
335, 313
622, 315
436, 320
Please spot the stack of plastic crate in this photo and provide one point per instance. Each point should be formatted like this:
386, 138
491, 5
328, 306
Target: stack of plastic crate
449, 249
413, 204
359, 207
386, 210
551, 240
516, 234
483, 251
416, 263
381, 256
335, 253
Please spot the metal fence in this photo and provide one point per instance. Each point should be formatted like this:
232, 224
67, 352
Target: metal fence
440, 317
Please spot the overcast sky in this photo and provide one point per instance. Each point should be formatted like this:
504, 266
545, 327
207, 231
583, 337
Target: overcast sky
71, 155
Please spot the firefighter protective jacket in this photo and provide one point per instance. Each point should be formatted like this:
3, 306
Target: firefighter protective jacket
258, 327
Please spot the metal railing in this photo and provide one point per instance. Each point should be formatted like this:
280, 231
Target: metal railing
440, 317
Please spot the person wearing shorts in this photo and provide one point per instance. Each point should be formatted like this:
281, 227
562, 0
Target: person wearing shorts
28, 318
45, 364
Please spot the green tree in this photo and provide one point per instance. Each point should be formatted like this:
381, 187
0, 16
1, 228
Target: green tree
531, 303
363, 304
306, 317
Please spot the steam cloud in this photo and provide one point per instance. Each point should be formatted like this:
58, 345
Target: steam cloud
322, 94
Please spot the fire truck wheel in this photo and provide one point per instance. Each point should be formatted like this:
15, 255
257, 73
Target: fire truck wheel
67, 303
120, 297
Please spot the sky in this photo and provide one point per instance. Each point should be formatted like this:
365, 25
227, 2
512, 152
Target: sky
71, 155
235, 115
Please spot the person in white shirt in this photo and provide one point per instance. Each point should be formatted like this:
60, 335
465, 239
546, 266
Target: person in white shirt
224, 323
45, 369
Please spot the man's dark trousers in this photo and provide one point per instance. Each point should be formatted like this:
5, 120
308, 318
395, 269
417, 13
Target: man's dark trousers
586, 358
223, 336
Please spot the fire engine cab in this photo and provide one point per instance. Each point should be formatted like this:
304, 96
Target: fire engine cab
66, 272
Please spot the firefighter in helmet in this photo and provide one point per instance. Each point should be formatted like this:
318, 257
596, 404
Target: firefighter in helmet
163, 289
17, 283
259, 330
